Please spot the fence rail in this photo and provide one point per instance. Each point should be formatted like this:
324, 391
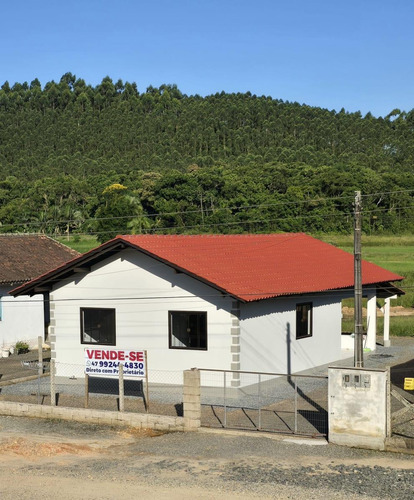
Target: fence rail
273, 402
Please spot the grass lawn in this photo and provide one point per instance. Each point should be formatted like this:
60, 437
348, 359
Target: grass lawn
80, 243
395, 253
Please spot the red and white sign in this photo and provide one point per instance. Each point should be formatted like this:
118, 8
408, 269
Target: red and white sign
105, 362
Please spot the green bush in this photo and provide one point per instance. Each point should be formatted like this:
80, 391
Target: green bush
21, 347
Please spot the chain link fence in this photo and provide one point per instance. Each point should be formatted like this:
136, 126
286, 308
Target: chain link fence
240, 400
65, 384
293, 404
402, 412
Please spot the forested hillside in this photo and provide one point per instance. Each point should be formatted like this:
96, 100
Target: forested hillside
111, 159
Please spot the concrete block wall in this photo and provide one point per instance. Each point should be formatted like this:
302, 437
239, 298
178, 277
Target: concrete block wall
136, 420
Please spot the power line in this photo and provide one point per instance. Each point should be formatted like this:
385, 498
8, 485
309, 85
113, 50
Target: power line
207, 209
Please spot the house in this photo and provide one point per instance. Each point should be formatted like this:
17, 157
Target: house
24, 257
269, 303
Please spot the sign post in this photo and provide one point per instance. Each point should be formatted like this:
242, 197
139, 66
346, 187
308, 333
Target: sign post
116, 363
146, 385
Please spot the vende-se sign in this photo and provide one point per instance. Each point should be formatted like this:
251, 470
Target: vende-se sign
105, 362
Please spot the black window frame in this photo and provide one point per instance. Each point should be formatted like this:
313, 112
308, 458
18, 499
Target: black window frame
83, 310
301, 324
203, 335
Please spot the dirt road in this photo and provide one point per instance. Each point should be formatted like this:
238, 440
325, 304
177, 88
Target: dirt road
42, 459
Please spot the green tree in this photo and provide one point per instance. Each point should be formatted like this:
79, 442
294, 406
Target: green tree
119, 213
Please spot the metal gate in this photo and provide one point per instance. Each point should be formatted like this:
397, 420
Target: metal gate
272, 402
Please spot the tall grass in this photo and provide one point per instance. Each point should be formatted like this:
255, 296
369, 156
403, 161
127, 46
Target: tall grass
395, 253
400, 326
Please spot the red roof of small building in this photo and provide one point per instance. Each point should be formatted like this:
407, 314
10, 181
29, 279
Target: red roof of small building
247, 267
253, 267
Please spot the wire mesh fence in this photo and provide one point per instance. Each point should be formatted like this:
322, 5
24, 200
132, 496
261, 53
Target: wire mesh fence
402, 413
66, 385
264, 401
241, 400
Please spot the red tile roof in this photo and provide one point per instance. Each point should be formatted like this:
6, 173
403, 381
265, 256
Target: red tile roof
248, 267
25, 256
253, 267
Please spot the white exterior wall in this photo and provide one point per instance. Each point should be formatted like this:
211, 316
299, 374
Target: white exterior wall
21, 318
142, 291
268, 335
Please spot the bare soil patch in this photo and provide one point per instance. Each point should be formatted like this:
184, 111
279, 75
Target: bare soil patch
348, 312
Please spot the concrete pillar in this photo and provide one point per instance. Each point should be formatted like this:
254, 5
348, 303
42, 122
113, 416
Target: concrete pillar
121, 388
387, 304
387, 342
192, 397
371, 341
52, 383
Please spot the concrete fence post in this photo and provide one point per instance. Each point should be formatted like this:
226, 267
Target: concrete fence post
388, 403
121, 388
86, 390
52, 383
192, 398
40, 356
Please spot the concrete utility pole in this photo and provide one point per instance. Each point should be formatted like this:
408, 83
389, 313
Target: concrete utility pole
358, 344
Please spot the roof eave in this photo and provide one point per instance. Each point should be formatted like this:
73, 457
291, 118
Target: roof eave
67, 269
96, 255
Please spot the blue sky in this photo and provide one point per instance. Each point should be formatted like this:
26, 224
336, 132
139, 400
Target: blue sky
356, 54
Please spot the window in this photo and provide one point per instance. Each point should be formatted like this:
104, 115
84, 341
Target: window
304, 320
98, 326
188, 330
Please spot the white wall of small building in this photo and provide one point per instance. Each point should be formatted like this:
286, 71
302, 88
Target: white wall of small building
268, 335
142, 291
21, 318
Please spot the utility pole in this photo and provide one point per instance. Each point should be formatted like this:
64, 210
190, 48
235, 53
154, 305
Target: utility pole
358, 345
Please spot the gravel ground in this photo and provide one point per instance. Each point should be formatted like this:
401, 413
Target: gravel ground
45, 459
49, 459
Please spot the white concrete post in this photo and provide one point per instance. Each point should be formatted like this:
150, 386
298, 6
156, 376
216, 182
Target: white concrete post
121, 387
387, 304
52, 383
40, 356
387, 342
371, 342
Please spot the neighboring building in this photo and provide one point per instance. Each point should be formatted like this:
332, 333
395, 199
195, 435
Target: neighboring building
23, 257
269, 303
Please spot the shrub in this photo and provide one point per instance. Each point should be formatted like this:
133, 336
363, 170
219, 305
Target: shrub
21, 347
